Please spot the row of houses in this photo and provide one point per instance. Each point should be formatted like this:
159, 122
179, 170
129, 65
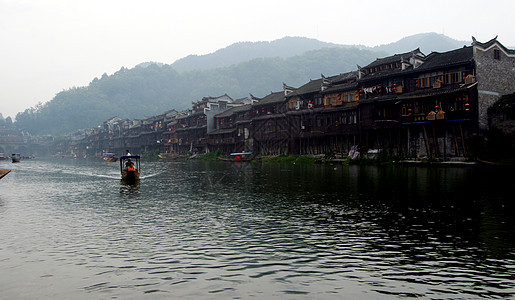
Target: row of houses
408, 104
13, 140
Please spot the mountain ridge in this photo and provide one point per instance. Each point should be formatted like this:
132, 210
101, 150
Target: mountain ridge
152, 88
290, 46
426, 42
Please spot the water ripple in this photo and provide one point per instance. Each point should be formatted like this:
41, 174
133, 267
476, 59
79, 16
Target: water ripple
201, 230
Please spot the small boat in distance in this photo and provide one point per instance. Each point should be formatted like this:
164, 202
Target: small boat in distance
168, 156
16, 157
130, 168
3, 156
110, 157
240, 156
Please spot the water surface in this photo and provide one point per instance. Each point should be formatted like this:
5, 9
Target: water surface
219, 230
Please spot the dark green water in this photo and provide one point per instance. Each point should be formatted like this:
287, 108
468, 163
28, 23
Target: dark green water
69, 229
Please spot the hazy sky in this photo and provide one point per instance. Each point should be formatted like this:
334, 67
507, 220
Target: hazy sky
52, 45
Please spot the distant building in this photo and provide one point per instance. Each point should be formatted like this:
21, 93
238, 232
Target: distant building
408, 105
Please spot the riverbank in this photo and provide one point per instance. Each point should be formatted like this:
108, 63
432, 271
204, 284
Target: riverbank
322, 159
366, 161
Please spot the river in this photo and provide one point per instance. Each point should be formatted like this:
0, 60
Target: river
69, 229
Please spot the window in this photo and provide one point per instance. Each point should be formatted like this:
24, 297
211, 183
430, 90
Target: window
497, 54
404, 110
424, 82
352, 118
456, 77
447, 78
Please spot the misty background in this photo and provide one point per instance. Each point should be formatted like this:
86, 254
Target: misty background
55, 45
259, 68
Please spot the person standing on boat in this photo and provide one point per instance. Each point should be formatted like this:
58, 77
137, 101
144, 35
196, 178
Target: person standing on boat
127, 153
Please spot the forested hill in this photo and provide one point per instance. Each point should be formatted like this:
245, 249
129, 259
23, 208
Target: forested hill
291, 46
245, 51
154, 89
151, 89
427, 42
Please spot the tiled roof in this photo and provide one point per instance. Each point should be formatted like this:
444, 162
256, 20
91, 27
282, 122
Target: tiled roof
341, 87
311, 111
455, 57
312, 86
490, 43
435, 60
234, 110
392, 59
384, 98
345, 77
191, 128
222, 131
276, 97
211, 98
385, 73
435, 92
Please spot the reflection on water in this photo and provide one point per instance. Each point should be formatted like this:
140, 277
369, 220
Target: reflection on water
129, 188
71, 229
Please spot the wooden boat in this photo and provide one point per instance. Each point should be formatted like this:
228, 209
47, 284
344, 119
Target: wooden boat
16, 157
130, 168
240, 156
496, 164
168, 156
110, 157
3, 173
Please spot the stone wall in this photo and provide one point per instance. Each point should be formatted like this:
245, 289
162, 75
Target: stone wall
496, 77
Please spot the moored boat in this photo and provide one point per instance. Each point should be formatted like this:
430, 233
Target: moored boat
496, 164
3, 173
240, 156
130, 168
168, 156
15, 157
110, 157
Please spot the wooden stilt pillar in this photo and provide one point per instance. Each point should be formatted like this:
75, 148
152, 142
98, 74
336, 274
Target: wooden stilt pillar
435, 141
456, 142
463, 141
445, 144
426, 142
409, 146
